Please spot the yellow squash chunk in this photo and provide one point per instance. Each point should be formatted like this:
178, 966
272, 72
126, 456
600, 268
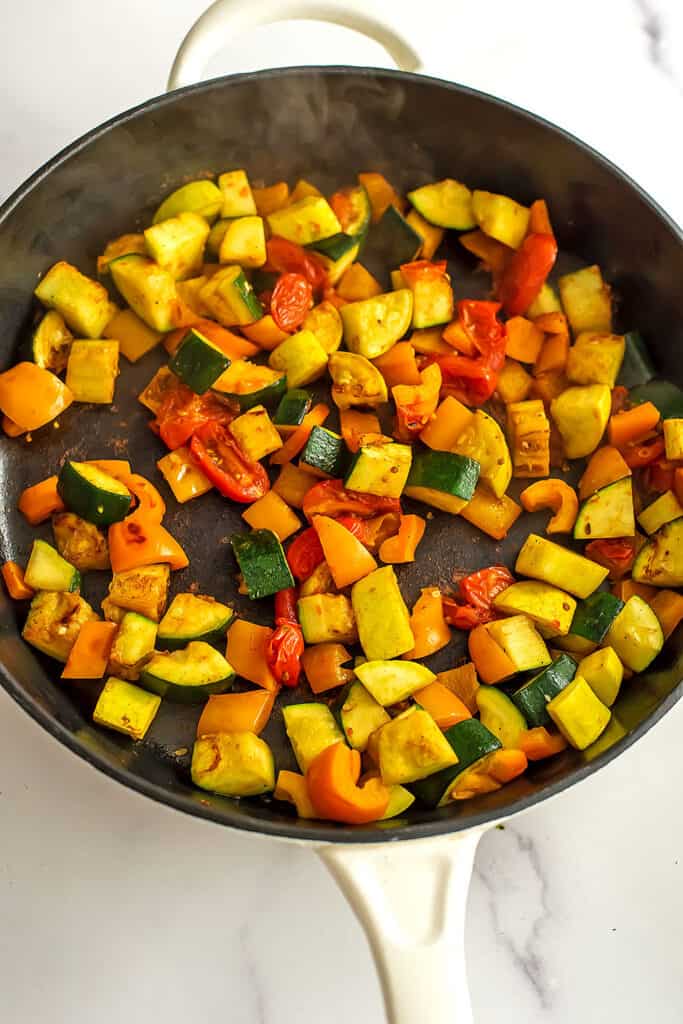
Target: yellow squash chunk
411, 747
483, 440
325, 322
500, 217
82, 302
233, 764
529, 433
603, 672
126, 708
272, 513
355, 381
92, 370
177, 244
183, 475
586, 300
306, 221
545, 605
595, 358
581, 415
135, 338
673, 438
382, 618
663, 510
202, 197
302, 357
373, 326
244, 242
579, 715
238, 199
551, 563
255, 433
636, 634
521, 641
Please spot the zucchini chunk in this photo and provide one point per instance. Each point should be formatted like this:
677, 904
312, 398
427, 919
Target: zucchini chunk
233, 764
579, 715
177, 244
135, 338
596, 358
521, 641
447, 203
411, 747
433, 303
193, 617
293, 407
359, 715
392, 681
532, 698
262, 563
311, 728
663, 394
230, 298
500, 217
381, 616
126, 708
673, 438
133, 646
91, 371
659, 563
607, 513
80, 542
324, 454
635, 634
47, 570
442, 479
326, 618
357, 215
248, 384
546, 606
335, 269
637, 367
50, 343
198, 362
54, 621
484, 441
302, 358
238, 199
664, 510
92, 494
83, 303
471, 742
124, 245
141, 590
188, 676
356, 381
305, 222
500, 716
336, 248
587, 301
201, 197
244, 242
551, 563
373, 326
380, 469
594, 616
255, 434
148, 289
604, 673
390, 242
325, 322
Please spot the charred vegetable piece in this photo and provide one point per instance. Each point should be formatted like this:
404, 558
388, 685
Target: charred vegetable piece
80, 542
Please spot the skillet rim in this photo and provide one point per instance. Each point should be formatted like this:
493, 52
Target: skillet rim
296, 831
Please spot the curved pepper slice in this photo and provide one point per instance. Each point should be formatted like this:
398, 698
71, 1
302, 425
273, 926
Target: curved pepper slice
332, 779
556, 495
140, 539
31, 396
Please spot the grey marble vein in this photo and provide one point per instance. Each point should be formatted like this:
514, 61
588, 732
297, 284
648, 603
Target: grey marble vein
510, 872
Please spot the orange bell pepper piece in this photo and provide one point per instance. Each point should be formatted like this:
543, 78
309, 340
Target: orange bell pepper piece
448, 423
553, 355
398, 365
236, 712
354, 424
623, 589
265, 332
538, 743
296, 442
271, 198
668, 607
463, 682
291, 787
493, 515
457, 337
498, 768
322, 664
678, 484
430, 629
402, 547
556, 495
246, 652
332, 779
11, 428
140, 539
89, 655
31, 396
13, 576
490, 660
524, 339
634, 425
416, 404
357, 284
494, 255
605, 466
380, 193
348, 559
547, 386
539, 219
442, 704
37, 503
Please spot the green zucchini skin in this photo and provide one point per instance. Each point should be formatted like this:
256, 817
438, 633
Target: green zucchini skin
390, 242
663, 394
471, 741
338, 245
81, 493
446, 472
608, 513
637, 367
358, 714
594, 616
334, 247
197, 362
193, 617
293, 407
47, 570
533, 697
262, 563
267, 396
326, 452
188, 676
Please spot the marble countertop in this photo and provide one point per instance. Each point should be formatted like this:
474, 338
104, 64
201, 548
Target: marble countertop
112, 907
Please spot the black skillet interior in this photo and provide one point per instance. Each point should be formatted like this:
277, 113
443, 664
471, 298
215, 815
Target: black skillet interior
326, 125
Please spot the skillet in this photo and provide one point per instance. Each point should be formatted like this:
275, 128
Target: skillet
328, 123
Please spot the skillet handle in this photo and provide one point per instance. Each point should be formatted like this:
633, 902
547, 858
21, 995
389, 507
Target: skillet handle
227, 18
411, 900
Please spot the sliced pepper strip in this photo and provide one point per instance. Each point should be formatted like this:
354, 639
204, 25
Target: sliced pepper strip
556, 495
37, 503
402, 547
140, 539
331, 498
332, 779
13, 576
416, 403
296, 442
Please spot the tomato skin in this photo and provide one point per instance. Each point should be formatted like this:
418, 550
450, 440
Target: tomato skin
285, 605
472, 380
305, 554
182, 413
616, 554
331, 498
661, 475
289, 258
423, 270
473, 604
218, 456
286, 645
526, 272
343, 208
290, 301
642, 453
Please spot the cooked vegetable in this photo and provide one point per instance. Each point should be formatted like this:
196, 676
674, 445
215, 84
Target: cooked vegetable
442, 704
198, 362
605, 466
470, 741
92, 494
595, 358
556, 495
332, 779
586, 299
177, 244
347, 559
432, 292
635, 634
202, 197
603, 672
327, 618
579, 715
183, 476
380, 469
233, 764
359, 714
447, 203
271, 512
546, 561
80, 542
188, 675
493, 515
54, 621
428, 625
660, 561
581, 415
412, 747
546, 606
50, 342
148, 289
311, 728
133, 646
30, 397
381, 615
92, 369
126, 708
607, 513
290, 413
83, 303
47, 570
500, 716
322, 665
520, 641
324, 453
89, 655
141, 590
372, 326
302, 357
390, 242
246, 652
403, 545
392, 681
442, 479
261, 562
533, 697
236, 712
594, 616
529, 433
14, 580
193, 617
230, 298
673, 438
663, 510
305, 222
482, 440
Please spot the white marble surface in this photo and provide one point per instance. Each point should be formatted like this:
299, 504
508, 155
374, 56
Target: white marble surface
112, 908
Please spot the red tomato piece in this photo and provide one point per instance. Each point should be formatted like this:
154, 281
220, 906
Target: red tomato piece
183, 412
286, 645
473, 604
305, 554
331, 498
290, 302
642, 453
526, 273
617, 555
289, 258
218, 456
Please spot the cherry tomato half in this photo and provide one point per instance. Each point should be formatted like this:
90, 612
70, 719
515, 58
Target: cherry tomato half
331, 498
617, 555
473, 604
290, 302
305, 554
218, 456
182, 413
289, 258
